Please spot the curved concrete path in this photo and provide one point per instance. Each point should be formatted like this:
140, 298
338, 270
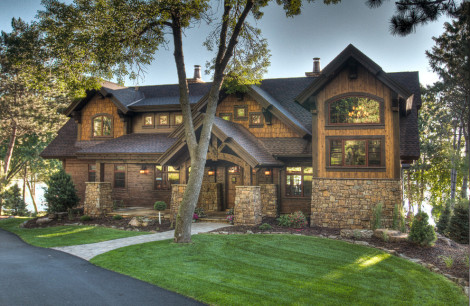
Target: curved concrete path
31, 275
88, 251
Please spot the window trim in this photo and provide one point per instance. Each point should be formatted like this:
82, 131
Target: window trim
165, 178
328, 102
173, 119
256, 125
366, 167
93, 126
162, 126
302, 174
235, 113
148, 126
114, 176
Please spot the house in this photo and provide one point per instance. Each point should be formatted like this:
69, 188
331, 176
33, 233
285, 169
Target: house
330, 144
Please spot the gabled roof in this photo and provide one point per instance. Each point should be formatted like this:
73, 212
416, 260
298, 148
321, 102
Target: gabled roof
64, 144
339, 62
237, 138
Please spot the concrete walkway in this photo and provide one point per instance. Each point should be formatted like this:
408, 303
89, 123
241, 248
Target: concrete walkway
88, 251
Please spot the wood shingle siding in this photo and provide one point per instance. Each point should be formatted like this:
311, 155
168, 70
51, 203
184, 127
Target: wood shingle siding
100, 106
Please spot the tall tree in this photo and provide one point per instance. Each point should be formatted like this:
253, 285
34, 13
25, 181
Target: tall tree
130, 48
31, 95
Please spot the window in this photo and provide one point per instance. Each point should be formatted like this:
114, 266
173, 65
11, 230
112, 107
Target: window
234, 169
226, 116
92, 172
165, 176
163, 120
241, 112
178, 119
354, 110
356, 152
299, 181
148, 120
119, 176
102, 126
256, 120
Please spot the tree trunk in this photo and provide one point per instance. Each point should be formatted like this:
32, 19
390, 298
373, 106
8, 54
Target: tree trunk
32, 194
11, 145
453, 171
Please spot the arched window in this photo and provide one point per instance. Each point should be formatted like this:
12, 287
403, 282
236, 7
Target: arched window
102, 126
355, 110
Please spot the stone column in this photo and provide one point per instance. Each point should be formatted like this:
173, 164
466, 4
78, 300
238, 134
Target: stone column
177, 193
247, 210
98, 200
210, 197
269, 200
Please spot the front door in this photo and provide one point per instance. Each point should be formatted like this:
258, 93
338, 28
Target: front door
234, 178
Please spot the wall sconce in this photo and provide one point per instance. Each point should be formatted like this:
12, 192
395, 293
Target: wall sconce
268, 172
211, 172
144, 170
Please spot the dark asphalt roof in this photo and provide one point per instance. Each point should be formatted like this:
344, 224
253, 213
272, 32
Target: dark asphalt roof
64, 143
287, 146
132, 143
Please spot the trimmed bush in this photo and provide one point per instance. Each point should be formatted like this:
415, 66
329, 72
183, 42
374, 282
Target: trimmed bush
159, 205
85, 218
60, 193
13, 202
117, 217
444, 220
421, 231
458, 225
265, 227
295, 220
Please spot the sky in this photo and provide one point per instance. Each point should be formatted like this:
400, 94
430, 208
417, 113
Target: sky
320, 31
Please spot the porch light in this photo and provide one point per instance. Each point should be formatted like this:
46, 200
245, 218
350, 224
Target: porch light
267, 172
211, 172
143, 169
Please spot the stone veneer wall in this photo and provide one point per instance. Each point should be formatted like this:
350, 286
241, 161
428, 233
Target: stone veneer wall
210, 197
269, 200
248, 208
98, 200
349, 203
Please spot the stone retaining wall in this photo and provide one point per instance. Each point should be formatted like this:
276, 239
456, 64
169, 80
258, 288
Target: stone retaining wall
248, 208
349, 203
98, 200
269, 200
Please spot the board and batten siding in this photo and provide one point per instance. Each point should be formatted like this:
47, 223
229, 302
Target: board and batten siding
365, 83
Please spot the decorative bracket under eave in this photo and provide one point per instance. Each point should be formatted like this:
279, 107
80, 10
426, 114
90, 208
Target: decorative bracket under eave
268, 116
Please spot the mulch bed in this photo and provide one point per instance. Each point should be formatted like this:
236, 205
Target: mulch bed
106, 221
431, 255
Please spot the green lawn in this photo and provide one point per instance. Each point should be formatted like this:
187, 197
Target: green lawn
63, 235
281, 269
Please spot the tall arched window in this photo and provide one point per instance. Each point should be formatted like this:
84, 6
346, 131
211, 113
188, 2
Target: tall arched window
102, 126
355, 110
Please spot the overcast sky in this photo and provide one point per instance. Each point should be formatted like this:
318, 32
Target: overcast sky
321, 31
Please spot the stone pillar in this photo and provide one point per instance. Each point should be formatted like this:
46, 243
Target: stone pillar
210, 197
349, 203
177, 193
98, 200
269, 200
247, 210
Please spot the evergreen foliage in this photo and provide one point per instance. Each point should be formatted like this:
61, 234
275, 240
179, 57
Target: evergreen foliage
444, 219
458, 226
159, 205
377, 216
14, 202
60, 194
422, 232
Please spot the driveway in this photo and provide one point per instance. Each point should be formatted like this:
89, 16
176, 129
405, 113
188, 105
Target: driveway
35, 276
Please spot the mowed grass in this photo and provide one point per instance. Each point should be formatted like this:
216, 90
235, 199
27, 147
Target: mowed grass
281, 270
63, 235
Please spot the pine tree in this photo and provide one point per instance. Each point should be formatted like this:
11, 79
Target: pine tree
14, 202
458, 226
60, 194
444, 219
421, 231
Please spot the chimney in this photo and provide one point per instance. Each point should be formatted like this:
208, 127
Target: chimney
197, 75
316, 68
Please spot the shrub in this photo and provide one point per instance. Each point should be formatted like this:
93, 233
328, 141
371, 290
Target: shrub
200, 212
444, 219
448, 261
60, 193
295, 220
458, 225
377, 216
117, 217
265, 227
159, 205
422, 232
230, 219
398, 219
85, 218
13, 201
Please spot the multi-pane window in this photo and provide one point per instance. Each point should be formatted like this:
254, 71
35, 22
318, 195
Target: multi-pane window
163, 120
299, 181
92, 172
119, 176
355, 152
256, 119
226, 116
148, 120
241, 112
354, 110
178, 119
165, 176
102, 126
